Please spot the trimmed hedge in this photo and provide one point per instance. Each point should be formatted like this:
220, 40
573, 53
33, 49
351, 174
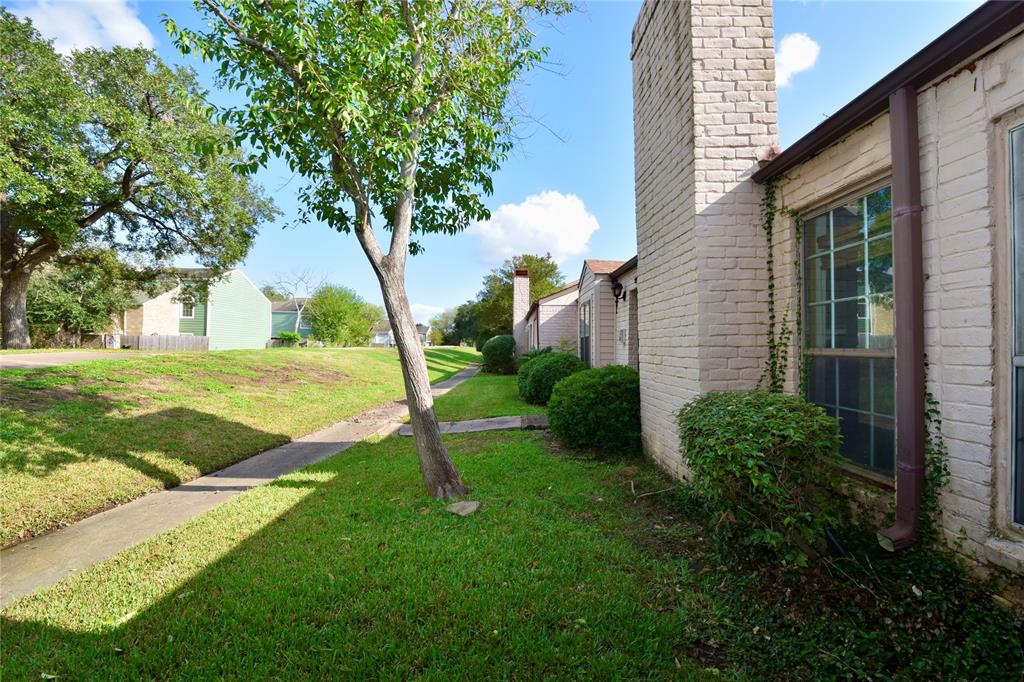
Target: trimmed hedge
538, 377
530, 355
500, 355
598, 409
481, 340
767, 461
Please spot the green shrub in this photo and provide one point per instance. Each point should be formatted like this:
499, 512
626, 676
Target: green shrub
500, 355
481, 340
531, 354
543, 372
767, 462
598, 409
289, 338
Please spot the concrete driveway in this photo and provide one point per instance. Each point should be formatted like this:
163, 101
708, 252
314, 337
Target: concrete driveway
36, 360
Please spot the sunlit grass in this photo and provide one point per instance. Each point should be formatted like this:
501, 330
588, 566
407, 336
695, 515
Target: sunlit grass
78, 438
347, 570
485, 395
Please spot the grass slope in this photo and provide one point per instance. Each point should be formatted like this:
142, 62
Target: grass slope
346, 570
485, 395
79, 438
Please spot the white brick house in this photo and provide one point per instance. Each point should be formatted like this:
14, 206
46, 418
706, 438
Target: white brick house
910, 218
551, 320
595, 316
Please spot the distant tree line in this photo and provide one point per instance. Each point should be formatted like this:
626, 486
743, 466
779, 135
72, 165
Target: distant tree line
490, 313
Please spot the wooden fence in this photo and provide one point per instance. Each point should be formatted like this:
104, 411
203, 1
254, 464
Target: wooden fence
158, 342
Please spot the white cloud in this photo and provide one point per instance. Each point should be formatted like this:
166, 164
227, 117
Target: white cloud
797, 52
421, 312
87, 23
549, 222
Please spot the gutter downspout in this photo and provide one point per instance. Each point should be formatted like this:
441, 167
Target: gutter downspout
908, 283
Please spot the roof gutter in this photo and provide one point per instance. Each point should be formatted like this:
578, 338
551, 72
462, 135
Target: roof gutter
968, 38
908, 284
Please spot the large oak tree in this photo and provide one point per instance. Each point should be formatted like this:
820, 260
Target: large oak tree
396, 114
110, 150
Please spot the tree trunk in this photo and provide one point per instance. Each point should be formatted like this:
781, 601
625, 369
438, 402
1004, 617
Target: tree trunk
440, 476
13, 315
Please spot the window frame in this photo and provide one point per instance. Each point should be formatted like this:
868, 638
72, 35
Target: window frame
181, 310
1014, 355
808, 354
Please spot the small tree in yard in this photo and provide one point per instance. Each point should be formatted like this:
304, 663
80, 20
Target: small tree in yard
395, 112
109, 150
299, 286
339, 317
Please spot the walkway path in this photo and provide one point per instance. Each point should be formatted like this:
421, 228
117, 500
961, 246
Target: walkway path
536, 421
42, 561
36, 360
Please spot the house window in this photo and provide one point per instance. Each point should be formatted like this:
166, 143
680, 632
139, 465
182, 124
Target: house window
1017, 224
849, 335
188, 310
585, 332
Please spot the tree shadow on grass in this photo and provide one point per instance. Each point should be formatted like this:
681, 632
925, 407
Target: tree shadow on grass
81, 430
352, 573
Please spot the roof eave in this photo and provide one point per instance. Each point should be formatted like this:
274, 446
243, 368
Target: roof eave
968, 38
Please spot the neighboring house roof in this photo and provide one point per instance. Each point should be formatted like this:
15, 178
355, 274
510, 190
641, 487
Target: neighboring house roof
553, 294
979, 30
602, 267
288, 305
624, 268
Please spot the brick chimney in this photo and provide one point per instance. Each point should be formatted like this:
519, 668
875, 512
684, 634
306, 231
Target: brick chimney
703, 113
520, 306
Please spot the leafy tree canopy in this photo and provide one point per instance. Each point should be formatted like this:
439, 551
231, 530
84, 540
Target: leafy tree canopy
66, 301
494, 302
339, 317
112, 148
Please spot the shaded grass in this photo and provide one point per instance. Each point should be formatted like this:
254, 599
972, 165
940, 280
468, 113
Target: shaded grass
485, 395
79, 438
345, 570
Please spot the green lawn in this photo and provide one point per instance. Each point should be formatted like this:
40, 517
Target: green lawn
79, 438
346, 570
571, 569
485, 395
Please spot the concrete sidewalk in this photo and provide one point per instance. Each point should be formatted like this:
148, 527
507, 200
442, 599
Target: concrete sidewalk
37, 360
526, 422
42, 561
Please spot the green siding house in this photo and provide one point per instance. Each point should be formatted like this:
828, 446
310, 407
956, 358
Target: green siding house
235, 313
284, 314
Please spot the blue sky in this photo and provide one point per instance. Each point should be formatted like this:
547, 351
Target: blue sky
569, 184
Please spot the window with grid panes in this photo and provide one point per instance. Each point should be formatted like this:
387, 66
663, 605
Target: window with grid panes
849, 338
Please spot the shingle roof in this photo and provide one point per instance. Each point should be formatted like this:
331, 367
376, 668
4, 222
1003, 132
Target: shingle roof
288, 305
603, 267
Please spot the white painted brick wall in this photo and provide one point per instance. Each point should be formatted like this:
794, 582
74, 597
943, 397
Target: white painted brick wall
701, 251
963, 206
520, 306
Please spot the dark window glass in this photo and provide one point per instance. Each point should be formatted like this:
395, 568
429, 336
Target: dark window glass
856, 430
849, 324
821, 380
819, 326
819, 279
1017, 215
816, 235
848, 224
879, 212
848, 271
